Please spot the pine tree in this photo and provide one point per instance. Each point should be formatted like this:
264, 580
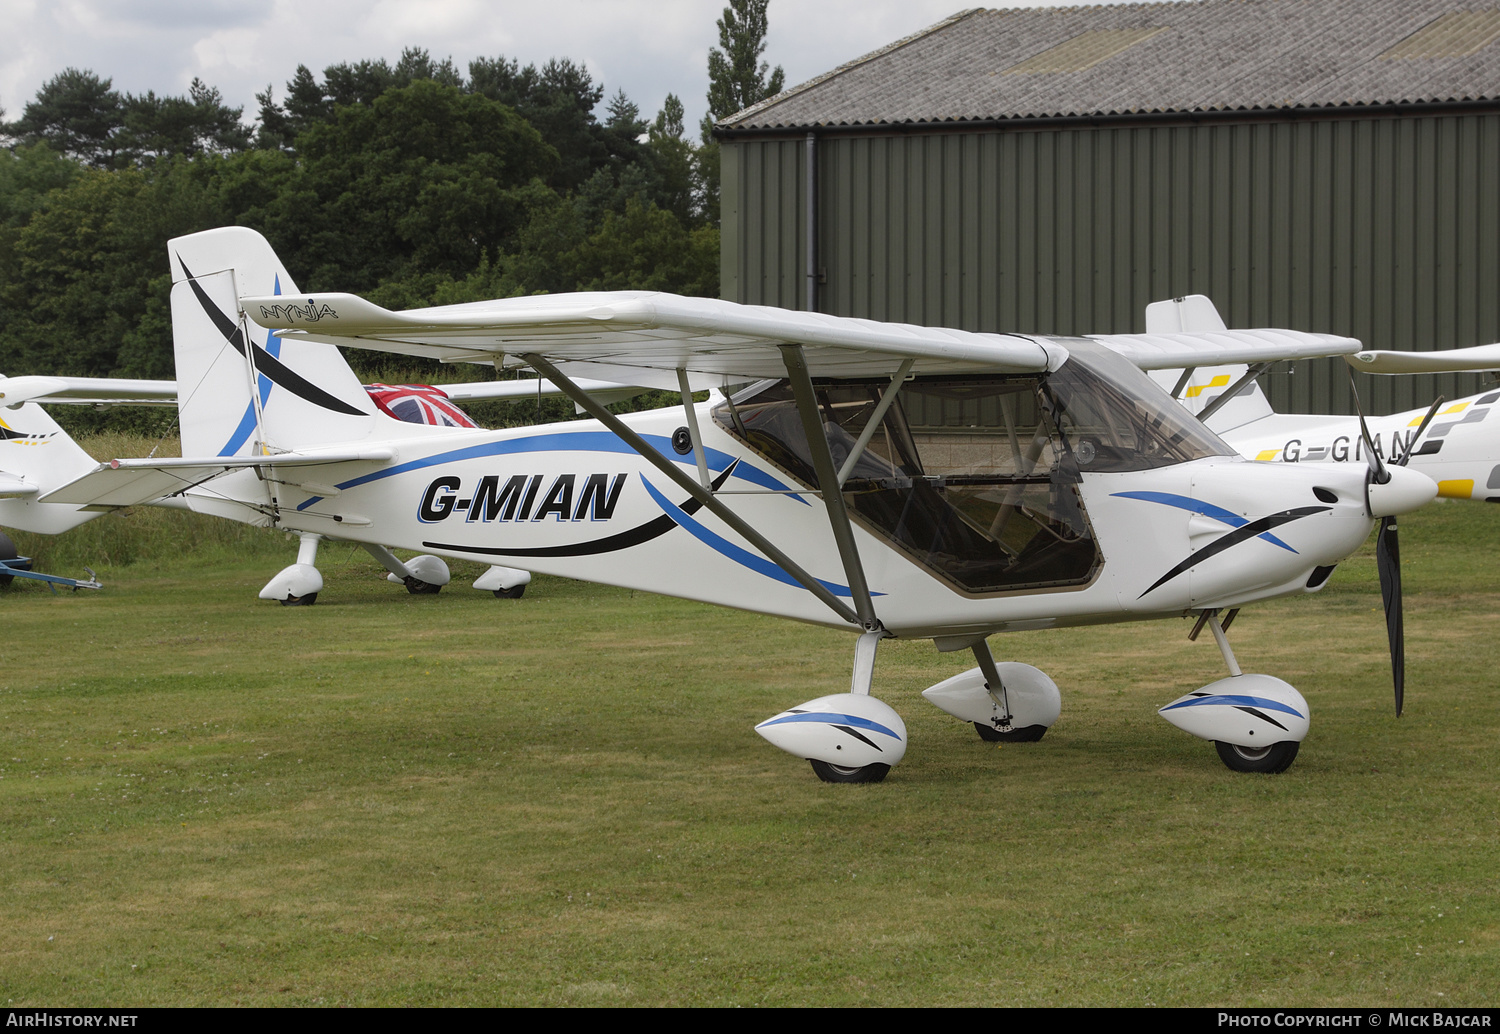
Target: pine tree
736, 80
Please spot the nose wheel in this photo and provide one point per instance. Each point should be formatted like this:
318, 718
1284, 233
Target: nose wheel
1276, 757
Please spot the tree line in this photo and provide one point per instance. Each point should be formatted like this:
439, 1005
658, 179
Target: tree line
412, 183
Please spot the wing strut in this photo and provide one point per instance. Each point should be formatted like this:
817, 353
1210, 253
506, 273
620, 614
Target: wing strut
587, 403
873, 424
1256, 369
828, 480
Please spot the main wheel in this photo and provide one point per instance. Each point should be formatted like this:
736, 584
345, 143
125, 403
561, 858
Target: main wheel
840, 774
300, 601
7, 552
990, 734
417, 587
1272, 759
515, 592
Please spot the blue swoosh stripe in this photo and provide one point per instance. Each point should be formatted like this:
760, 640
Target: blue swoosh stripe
1233, 700
831, 718
1218, 513
740, 556
568, 441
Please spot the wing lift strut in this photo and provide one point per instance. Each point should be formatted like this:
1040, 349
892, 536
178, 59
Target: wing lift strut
862, 614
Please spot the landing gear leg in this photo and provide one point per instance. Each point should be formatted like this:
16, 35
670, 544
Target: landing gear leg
1256, 722
299, 584
1002, 727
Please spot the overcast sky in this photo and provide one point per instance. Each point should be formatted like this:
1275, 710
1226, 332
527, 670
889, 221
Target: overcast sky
648, 48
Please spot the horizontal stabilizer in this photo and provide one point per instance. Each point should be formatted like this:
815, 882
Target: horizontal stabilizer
13, 487
1479, 359
132, 482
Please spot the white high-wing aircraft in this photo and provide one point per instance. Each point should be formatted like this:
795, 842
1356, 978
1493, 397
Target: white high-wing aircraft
37, 456
1450, 442
989, 482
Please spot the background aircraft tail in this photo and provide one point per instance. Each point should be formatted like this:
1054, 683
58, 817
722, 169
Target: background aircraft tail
37, 456
1196, 313
241, 390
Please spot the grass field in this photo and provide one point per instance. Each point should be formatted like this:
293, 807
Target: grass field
387, 799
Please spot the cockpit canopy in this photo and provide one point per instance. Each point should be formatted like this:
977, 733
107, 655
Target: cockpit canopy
975, 476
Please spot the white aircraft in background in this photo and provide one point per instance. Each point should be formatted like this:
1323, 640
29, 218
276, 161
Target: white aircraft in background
989, 482
1450, 442
36, 456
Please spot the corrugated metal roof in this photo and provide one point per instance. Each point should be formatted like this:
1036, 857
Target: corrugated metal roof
1218, 55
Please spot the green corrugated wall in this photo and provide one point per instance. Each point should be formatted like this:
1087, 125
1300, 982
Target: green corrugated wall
1386, 229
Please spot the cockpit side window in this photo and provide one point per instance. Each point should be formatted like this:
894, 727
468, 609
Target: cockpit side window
968, 475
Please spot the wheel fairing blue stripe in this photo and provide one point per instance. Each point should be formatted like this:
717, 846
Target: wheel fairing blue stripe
1183, 502
831, 718
1234, 700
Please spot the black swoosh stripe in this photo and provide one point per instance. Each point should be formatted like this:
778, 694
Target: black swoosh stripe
265, 362
624, 540
859, 736
1261, 715
1235, 537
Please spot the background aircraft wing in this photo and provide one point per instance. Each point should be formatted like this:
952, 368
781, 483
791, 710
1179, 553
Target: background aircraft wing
95, 391
1479, 359
1174, 351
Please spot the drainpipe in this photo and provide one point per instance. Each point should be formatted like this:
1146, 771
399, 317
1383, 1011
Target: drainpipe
810, 192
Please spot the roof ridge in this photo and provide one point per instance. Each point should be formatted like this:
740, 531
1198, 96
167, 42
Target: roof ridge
952, 19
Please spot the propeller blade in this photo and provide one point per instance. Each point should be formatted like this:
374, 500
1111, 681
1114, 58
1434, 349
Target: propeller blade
1388, 561
1377, 465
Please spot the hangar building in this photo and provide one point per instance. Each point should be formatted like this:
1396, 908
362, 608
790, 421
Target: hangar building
1326, 165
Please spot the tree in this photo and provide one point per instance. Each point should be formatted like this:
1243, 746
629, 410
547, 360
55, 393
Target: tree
673, 155
424, 179
736, 74
75, 113
736, 80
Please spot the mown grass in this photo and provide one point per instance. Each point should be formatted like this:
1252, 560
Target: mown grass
388, 799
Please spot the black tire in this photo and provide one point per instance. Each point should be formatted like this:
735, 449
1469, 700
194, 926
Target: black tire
515, 592
417, 587
8, 551
990, 734
839, 774
1277, 757
300, 601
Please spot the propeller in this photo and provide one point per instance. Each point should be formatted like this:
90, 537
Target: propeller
1387, 544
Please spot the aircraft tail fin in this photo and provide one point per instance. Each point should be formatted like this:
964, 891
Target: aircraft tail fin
242, 390
37, 456
1197, 313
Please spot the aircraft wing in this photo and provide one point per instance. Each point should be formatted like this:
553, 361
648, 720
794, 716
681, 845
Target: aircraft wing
1174, 351
531, 387
132, 482
95, 391
1479, 359
623, 336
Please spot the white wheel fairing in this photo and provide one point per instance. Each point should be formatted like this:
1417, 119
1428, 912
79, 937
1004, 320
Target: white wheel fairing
846, 729
1032, 695
1250, 711
295, 581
